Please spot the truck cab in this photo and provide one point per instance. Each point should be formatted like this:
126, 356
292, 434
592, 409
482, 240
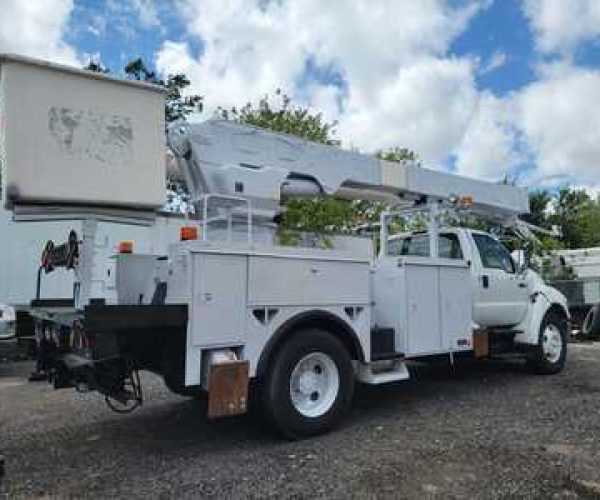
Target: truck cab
500, 288
504, 294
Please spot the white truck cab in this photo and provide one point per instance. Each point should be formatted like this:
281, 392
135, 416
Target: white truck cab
505, 295
501, 290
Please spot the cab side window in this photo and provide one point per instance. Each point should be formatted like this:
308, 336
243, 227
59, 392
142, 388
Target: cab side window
449, 247
418, 245
493, 254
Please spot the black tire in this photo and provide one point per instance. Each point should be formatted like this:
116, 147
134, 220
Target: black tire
540, 362
277, 400
591, 324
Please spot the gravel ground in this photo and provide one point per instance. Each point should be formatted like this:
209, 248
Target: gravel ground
480, 430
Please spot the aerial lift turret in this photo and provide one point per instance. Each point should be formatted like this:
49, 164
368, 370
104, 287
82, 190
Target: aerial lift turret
227, 305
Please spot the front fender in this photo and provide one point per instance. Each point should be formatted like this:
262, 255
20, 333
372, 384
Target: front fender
543, 299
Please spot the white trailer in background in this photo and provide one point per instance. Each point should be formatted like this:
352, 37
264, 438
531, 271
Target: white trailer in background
23, 245
576, 273
226, 304
585, 262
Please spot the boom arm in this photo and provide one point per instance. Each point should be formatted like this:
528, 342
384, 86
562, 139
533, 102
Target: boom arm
221, 157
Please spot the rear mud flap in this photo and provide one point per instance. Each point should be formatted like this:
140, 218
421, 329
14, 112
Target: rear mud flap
481, 344
228, 389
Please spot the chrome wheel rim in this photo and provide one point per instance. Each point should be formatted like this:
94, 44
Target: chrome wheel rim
314, 384
552, 343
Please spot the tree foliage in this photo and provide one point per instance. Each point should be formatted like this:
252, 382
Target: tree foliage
399, 155
178, 105
568, 207
572, 211
285, 117
539, 202
96, 66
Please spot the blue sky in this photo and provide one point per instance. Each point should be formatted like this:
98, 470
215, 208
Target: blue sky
500, 29
484, 87
116, 35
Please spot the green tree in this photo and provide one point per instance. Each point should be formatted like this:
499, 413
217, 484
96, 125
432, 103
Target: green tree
178, 105
399, 155
568, 207
283, 117
96, 66
587, 225
539, 201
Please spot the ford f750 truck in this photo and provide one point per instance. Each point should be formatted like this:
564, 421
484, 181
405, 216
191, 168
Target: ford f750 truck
226, 304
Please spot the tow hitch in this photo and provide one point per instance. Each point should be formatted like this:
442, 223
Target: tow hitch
117, 379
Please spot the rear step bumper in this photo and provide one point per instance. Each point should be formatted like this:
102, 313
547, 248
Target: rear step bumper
100, 348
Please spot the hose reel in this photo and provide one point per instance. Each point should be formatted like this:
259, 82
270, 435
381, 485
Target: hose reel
63, 255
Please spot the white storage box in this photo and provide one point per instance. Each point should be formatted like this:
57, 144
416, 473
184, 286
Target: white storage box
428, 302
69, 136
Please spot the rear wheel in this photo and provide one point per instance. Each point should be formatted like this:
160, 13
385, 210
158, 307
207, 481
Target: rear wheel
309, 385
551, 352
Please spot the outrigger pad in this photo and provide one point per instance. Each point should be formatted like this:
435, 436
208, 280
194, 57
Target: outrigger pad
228, 389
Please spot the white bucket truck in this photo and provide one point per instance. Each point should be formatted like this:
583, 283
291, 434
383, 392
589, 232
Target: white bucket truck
226, 305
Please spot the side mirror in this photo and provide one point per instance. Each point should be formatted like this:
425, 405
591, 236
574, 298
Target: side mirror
520, 260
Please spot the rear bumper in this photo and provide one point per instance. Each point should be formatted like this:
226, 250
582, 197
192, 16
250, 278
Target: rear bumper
74, 370
100, 347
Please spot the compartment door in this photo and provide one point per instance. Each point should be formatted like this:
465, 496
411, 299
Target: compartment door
456, 303
219, 299
423, 311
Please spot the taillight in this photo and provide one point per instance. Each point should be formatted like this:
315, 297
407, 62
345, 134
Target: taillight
187, 233
126, 247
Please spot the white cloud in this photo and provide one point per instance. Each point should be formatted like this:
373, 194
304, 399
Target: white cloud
147, 12
425, 106
560, 25
497, 60
489, 148
561, 122
35, 29
553, 125
400, 87
97, 25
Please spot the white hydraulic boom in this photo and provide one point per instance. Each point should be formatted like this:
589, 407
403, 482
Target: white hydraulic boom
225, 158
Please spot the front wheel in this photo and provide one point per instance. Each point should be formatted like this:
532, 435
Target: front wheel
551, 352
310, 384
